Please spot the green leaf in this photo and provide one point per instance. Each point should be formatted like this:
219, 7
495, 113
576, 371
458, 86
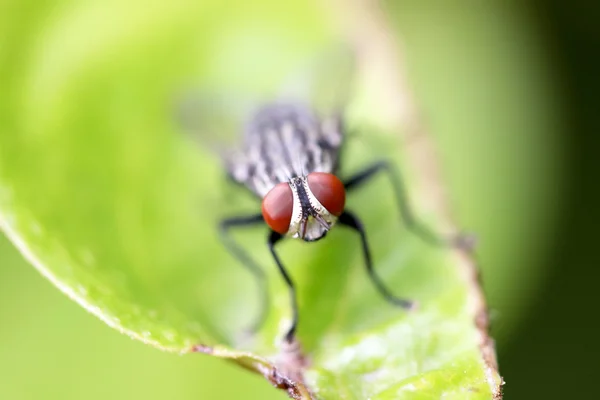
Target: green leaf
106, 198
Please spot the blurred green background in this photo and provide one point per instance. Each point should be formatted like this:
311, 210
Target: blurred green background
499, 85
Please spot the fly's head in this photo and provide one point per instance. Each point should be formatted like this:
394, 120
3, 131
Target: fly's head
306, 207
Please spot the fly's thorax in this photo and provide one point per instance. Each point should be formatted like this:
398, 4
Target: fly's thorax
283, 140
310, 219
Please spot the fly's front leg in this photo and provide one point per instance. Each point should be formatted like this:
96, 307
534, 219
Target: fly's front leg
349, 220
239, 253
403, 204
275, 237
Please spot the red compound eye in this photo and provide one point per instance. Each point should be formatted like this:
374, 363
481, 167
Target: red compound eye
329, 190
277, 208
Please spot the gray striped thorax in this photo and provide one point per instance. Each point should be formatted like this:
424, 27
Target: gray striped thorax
285, 141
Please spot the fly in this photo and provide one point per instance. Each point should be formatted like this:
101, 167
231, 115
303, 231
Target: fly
290, 160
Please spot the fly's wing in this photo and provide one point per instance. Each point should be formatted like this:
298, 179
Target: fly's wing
325, 81
219, 122
213, 120
263, 141
324, 84
216, 122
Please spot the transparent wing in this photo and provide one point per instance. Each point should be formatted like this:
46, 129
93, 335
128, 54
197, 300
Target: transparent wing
324, 81
242, 127
212, 119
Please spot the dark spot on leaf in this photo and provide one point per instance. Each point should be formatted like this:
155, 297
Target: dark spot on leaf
200, 348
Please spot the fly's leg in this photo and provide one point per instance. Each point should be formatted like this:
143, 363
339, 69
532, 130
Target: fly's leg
405, 210
351, 221
242, 256
275, 237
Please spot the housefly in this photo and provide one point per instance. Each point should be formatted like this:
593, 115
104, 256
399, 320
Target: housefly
289, 158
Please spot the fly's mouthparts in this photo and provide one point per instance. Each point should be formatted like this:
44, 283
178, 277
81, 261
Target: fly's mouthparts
305, 221
326, 225
303, 225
